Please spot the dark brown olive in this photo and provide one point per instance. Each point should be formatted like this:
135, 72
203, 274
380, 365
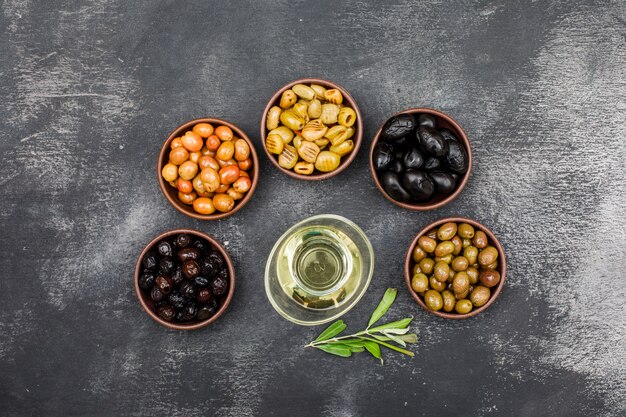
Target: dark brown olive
191, 269
166, 312
396, 166
164, 248
176, 299
164, 284
398, 126
201, 281
146, 280
166, 265
456, 159
432, 142
418, 184
432, 164
149, 260
393, 187
205, 312
219, 286
182, 241
208, 268
201, 245
413, 158
448, 135
188, 254
189, 311
156, 294
489, 277
188, 289
217, 259
204, 295
177, 276
383, 156
444, 183
426, 120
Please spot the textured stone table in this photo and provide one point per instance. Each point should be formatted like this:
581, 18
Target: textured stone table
89, 93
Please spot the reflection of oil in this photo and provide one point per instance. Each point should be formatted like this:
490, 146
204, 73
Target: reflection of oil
318, 267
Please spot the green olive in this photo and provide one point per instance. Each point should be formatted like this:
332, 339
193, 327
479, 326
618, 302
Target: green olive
466, 231
288, 99
492, 265
427, 244
432, 234
489, 277
467, 242
441, 271
480, 295
480, 240
292, 120
448, 301
460, 284
304, 91
458, 245
315, 109
471, 254
433, 300
447, 259
460, 263
487, 256
463, 306
418, 254
302, 110
473, 275
444, 248
416, 269
329, 114
273, 117
284, 132
451, 275
462, 295
419, 283
427, 265
436, 285
446, 231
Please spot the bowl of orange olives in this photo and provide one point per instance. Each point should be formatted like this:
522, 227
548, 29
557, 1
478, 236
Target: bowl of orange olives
208, 168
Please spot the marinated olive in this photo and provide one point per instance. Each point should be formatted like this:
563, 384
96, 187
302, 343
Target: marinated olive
383, 156
489, 277
398, 126
487, 256
176, 299
437, 285
456, 158
419, 283
219, 286
188, 289
460, 284
189, 311
146, 280
444, 183
479, 296
418, 253
188, 254
223, 202
204, 295
433, 300
418, 184
480, 239
156, 294
163, 283
446, 231
432, 142
225, 133
201, 281
444, 248
393, 187
463, 306
427, 265
166, 265
427, 244
448, 301
441, 271
413, 158
432, 164
166, 312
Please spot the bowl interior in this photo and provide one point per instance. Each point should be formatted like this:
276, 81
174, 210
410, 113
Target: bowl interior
148, 304
357, 138
171, 193
443, 122
409, 263
304, 304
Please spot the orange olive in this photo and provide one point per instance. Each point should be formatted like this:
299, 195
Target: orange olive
224, 133
223, 164
204, 205
234, 194
184, 186
208, 162
187, 198
242, 150
206, 151
192, 141
222, 188
242, 184
195, 156
229, 174
223, 202
210, 178
170, 172
212, 143
176, 143
174, 183
244, 174
187, 170
198, 185
179, 155
246, 164
225, 151
203, 129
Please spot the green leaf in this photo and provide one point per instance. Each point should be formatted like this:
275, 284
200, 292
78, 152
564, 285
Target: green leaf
407, 338
332, 331
335, 349
383, 306
356, 349
396, 339
374, 350
352, 342
396, 331
400, 324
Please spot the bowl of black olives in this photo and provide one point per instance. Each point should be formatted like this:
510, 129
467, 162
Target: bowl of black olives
184, 279
420, 159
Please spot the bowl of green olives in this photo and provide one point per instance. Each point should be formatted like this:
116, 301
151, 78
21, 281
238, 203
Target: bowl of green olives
420, 159
184, 279
455, 268
311, 129
208, 168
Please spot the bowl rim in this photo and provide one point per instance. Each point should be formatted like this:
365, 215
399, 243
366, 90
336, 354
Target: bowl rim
408, 260
462, 137
280, 241
231, 287
163, 154
357, 138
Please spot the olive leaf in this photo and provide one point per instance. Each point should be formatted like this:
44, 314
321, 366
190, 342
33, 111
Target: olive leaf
400, 324
374, 350
383, 306
407, 338
395, 339
332, 331
338, 350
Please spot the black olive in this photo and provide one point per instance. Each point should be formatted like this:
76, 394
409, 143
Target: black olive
393, 187
223, 274
205, 312
398, 126
156, 294
191, 269
216, 257
396, 166
431, 164
188, 254
177, 276
164, 284
201, 281
176, 299
209, 268
432, 142
418, 184
448, 135
166, 312
189, 311
149, 260
201, 245
165, 248
219, 286
457, 159
382, 156
455, 176
166, 265
444, 182
182, 241
426, 120
401, 144
146, 280
204, 295
188, 289
413, 159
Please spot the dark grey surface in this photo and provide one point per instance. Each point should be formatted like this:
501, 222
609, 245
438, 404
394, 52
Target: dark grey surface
90, 92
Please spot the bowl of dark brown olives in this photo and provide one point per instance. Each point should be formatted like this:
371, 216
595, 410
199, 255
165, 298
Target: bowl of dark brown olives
420, 159
455, 268
184, 279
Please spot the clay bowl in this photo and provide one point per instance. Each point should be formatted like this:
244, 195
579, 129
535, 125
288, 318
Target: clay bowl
345, 160
171, 193
437, 201
147, 303
495, 291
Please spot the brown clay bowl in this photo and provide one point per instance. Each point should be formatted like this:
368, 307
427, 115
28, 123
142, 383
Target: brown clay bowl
148, 304
493, 241
357, 138
437, 201
171, 193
